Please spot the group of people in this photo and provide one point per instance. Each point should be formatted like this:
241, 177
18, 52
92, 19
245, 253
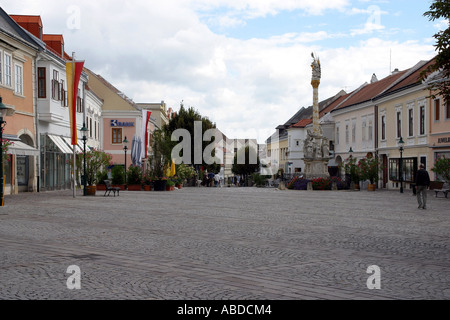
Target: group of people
212, 180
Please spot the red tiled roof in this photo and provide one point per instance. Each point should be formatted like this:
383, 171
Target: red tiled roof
371, 90
413, 78
53, 37
302, 123
333, 106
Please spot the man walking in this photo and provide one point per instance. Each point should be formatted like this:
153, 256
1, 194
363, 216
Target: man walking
422, 184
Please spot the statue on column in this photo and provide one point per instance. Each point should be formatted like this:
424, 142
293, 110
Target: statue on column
316, 69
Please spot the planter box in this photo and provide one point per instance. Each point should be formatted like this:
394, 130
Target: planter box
147, 188
172, 188
134, 187
160, 185
101, 187
91, 191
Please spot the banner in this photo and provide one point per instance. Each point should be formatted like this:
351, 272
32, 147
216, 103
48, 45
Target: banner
145, 120
73, 74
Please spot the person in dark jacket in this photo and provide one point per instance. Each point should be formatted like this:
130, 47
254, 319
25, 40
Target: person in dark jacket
422, 184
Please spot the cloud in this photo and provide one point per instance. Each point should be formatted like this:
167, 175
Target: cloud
164, 50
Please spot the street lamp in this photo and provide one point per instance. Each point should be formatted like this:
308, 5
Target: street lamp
84, 132
401, 144
125, 148
3, 113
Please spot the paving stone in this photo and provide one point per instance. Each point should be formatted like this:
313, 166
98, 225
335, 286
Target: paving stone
224, 244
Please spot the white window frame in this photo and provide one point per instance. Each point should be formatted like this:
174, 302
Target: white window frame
420, 106
338, 138
411, 109
18, 79
364, 129
370, 128
354, 131
8, 75
399, 110
1, 67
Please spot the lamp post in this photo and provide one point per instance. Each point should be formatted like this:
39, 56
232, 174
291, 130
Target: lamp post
401, 144
125, 148
3, 113
84, 132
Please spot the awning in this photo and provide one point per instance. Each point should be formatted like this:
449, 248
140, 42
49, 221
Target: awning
19, 148
62, 146
69, 142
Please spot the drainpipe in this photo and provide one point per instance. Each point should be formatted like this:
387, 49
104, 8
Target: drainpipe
36, 124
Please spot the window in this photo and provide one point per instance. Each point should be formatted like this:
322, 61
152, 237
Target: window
383, 127
42, 83
63, 94
337, 136
364, 129
19, 79
370, 129
422, 120
117, 136
409, 169
410, 122
347, 134
353, 130
79, 102
8, 70
1, 68
447, 110
399, 124
437, 110
90, 131
55, 85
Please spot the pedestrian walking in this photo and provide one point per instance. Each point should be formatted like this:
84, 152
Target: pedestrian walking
422, 184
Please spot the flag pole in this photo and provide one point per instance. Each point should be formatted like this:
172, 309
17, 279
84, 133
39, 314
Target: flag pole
74, 149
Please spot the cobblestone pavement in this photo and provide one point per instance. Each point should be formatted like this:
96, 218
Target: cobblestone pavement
224, 244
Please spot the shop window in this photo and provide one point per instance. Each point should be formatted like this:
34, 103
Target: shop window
409, 169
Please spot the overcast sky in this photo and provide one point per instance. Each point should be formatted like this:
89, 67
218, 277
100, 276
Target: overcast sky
245, 64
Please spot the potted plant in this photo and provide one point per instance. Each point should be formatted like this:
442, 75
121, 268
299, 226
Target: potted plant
170, 185
147, 180
101, 177
134, 178
368, 170
118, 177
442, 169
352, 171
162, 149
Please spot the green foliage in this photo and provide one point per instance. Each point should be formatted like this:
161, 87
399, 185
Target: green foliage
5, 144
162, 149
185, 172
247, 168
441, 9
118, 175
102, 176
96, 162
185, 119
134, 175
369, 168
259, 180
351, 168
442, 168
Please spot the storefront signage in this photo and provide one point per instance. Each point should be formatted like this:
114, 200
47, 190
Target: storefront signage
444, 140
117, 123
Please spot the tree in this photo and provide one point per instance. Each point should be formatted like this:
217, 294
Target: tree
442, 168
440, 9
185, 119
246, 168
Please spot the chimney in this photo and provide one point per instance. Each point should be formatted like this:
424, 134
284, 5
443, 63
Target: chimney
55, 42
395, 71
33, 24
374, 78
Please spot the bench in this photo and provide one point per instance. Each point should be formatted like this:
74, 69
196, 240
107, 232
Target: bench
110, 188
438, 187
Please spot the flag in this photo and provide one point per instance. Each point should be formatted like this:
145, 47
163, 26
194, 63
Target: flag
73, 74
145, 120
